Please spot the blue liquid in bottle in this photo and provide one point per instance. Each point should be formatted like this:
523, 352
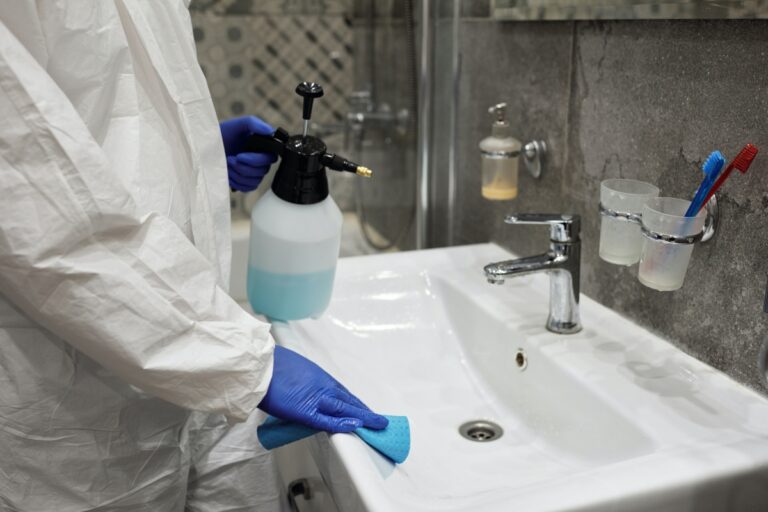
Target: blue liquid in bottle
289, 296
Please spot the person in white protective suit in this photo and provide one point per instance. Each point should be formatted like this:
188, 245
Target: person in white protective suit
129, 379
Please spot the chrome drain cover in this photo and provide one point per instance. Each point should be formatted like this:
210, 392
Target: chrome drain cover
481, 431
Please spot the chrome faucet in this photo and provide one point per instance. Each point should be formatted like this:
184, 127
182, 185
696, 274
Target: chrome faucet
562, 262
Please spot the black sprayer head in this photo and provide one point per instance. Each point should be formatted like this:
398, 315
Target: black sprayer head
301, 178
309, 91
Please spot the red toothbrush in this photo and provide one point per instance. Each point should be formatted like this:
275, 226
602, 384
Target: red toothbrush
742, 162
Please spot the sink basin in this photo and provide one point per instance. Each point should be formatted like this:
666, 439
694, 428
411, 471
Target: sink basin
611, 418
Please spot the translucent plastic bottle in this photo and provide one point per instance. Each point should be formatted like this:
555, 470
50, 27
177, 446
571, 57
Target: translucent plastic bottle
296, 225
292, 262
499, 153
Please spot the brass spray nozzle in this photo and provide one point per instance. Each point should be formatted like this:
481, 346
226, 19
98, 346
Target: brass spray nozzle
338, 163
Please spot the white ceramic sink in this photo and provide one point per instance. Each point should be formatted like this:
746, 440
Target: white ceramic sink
611, 418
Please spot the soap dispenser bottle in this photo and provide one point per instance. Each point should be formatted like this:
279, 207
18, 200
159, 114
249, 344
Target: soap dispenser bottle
499, 153
296, 225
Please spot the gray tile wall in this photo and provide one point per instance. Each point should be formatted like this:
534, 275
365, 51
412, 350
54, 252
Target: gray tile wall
636, 99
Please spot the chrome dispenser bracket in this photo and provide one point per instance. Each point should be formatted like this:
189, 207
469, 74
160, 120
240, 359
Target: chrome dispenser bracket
533, 156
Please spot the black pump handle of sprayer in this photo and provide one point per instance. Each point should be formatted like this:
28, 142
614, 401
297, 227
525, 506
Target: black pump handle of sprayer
274, 143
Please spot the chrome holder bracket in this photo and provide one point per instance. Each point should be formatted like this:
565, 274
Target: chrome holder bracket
636, 218
671, 239
710, 224
713, 219
534, 154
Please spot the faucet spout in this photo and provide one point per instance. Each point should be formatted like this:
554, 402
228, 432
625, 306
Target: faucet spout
562, 262
497, 272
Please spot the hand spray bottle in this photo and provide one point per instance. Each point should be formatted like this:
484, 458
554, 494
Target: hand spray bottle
296, 226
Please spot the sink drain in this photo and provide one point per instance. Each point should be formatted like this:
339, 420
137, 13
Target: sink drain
481, 431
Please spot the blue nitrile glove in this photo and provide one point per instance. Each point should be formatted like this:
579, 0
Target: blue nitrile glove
246, 170
303, 392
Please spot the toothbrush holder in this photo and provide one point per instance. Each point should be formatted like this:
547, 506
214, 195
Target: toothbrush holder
666, 237
621, 207
668, 240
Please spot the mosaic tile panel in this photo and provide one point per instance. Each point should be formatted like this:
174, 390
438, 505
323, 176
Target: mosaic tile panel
253, 63
254, 52
272, 6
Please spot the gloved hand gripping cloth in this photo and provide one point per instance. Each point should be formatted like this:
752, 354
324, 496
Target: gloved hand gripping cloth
394, 441
306, 400
303, 392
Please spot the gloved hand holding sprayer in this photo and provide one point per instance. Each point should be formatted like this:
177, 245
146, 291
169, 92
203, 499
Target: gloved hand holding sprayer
300, 390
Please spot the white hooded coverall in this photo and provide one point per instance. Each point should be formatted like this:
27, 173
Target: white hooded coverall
114, 253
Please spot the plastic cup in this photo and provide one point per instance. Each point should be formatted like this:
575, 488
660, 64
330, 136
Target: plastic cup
621, 240
663, 264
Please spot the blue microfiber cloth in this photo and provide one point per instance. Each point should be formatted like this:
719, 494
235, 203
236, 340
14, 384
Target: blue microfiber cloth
394, 442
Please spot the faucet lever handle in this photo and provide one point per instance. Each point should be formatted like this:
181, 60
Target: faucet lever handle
562, 227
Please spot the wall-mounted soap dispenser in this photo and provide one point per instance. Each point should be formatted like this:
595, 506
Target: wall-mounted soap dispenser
296, 226
499, 153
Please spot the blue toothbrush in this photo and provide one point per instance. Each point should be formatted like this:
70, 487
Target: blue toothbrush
711, 167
